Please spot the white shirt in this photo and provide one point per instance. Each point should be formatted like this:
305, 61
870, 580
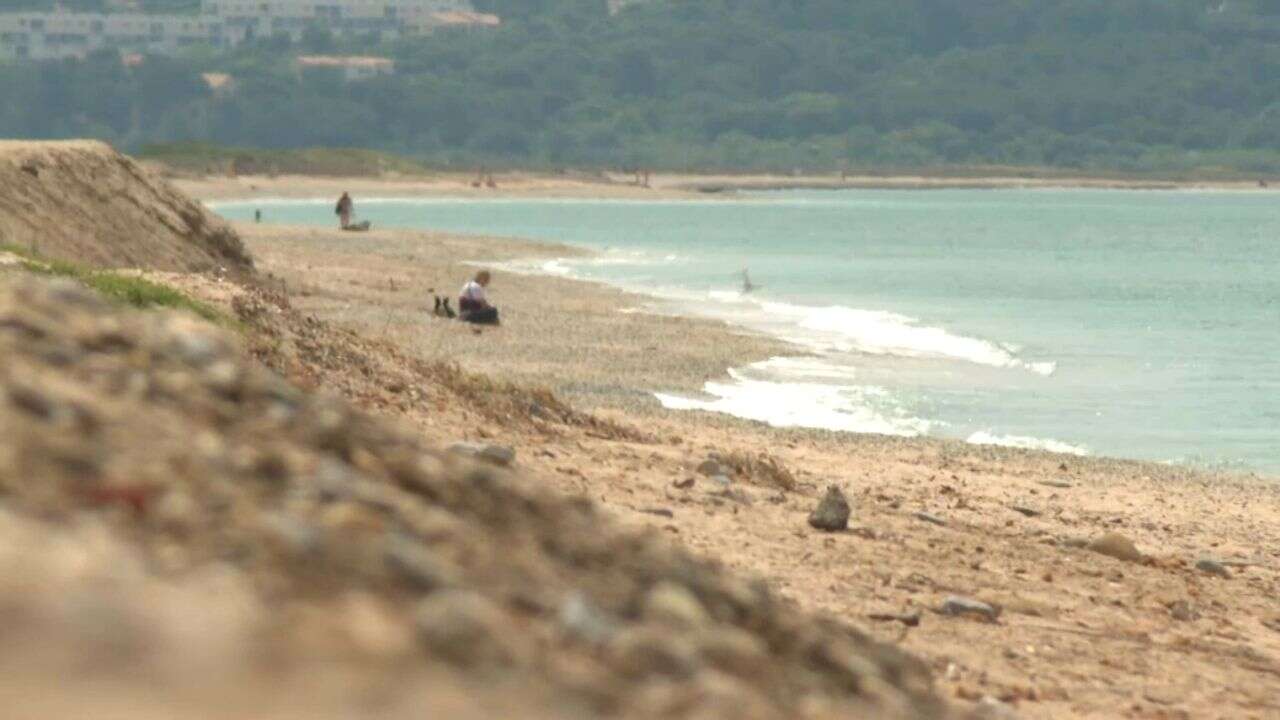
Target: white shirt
474, 291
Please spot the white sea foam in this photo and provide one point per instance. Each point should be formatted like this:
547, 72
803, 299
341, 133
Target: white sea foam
840, 329
792, 403
876, 332
983, 437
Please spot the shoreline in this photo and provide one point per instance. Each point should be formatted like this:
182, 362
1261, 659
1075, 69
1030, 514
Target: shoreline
662, 186
1081, 633
760, 346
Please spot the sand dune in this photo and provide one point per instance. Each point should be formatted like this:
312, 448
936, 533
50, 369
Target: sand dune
81, 201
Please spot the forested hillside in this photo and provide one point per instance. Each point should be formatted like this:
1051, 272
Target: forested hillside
733, 84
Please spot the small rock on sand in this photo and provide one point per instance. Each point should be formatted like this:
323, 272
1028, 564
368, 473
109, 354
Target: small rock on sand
957, 606
832, 514
712, 467
496, 454
1117, 546
931, 519
1213, 567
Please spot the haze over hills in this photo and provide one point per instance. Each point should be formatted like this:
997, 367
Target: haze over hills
820, 85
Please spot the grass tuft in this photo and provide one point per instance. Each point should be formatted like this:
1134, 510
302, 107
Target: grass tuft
762, 467
124, 289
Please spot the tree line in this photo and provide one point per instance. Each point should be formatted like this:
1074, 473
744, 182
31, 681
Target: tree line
816, 85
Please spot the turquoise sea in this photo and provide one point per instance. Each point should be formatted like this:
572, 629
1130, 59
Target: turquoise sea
1133, 324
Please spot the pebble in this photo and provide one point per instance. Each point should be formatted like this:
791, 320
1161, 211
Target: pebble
222, 376
501, 455
463, 627
646, 651
1117, 546
735, 652
832, 513
1213, 567
294, 537
958, 606
581, 619
1056, 484
933, 519
1026, 511
417, 566
674, 606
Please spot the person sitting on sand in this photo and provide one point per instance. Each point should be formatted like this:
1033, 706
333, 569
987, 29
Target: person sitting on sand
344, 211
473, 305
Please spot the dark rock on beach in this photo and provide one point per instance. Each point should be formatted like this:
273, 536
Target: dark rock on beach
832, 513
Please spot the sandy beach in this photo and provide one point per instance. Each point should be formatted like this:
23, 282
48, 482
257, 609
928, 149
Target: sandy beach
1181, 624
616, 186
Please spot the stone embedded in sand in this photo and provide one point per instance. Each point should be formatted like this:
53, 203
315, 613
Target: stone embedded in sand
957, 606
496, 454
1183, 612
1117, 546
1213, 567
832, 514
675, 607
712, 467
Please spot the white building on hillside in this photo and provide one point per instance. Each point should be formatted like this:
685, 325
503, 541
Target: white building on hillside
350, 67
224, 24
387, 19
43, 36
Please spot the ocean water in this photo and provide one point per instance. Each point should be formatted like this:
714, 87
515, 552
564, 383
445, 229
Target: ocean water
1132, 324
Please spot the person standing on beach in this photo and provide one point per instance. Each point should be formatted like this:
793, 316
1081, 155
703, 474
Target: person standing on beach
473, 304
344, 210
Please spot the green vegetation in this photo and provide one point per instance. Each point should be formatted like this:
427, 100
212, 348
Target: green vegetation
338, 162
1132, 86
125, 289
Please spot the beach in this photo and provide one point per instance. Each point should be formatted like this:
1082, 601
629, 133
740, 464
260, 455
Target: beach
1156, 632
661, 185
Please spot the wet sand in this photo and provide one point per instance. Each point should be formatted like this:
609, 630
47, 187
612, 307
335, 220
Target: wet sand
1081, 634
